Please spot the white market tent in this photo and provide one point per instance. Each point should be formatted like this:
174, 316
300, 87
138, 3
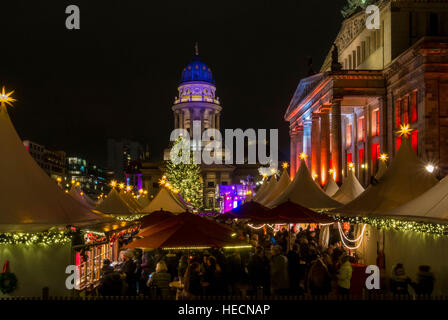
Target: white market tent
382, 168
404, 180
430, 207
143, 201
269, 188
331, 186
78, 194
114, 204
281, 186
350, 189
304, 191
167, 201
128, 197
30, 201
261, 189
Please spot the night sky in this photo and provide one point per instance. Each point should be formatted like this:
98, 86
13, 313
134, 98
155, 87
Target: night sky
117, 76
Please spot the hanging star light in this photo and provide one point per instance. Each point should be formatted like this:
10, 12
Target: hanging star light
5, 98
113, 183
303, 156
384, 157
405, 130
121, 186
285, 165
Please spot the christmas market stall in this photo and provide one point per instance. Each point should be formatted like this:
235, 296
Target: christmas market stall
396, 220
38, 220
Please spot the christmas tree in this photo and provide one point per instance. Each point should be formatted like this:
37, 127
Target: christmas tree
353, 6
186, 178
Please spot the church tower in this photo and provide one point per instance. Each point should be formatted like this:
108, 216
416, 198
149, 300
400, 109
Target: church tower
197, 97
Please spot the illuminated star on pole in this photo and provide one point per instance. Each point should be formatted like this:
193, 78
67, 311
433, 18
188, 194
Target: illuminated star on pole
285, 165
303, 156
384, 156
405, 130
6, 98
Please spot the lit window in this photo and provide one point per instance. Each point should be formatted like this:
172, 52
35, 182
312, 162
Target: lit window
414, 109
348, 135
376, 123
361, 129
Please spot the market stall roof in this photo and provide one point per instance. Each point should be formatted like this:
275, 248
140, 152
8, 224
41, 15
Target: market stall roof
77, 193
404, 180
128, 197
247, 210
281, 186
382, 168
30, 201
290, 212
114, 204
143, 201
185, 231
269, 187
430, 207
154, 218
304, 191
331, 186
350, 189
165, 200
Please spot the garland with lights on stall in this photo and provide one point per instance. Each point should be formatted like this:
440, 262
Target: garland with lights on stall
8, 280
38, 238
400, 225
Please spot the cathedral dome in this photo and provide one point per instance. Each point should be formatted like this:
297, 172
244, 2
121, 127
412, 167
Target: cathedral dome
197, 70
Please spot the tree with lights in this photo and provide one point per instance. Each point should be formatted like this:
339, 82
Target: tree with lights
186, 178
353, 6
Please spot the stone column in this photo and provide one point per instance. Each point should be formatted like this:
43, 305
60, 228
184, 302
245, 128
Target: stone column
212, 119
181, 119
176, 119
307, 141
336, 135
293, 149
218, 124
315, 144
324, 144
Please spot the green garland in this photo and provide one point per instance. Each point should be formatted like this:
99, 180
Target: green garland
8, 282
387, 223
40, 238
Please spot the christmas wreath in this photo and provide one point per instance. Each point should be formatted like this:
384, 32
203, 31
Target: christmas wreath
8, 280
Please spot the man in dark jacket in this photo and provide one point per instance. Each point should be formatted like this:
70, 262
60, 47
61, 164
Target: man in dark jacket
129, 269
425, 281
258, 268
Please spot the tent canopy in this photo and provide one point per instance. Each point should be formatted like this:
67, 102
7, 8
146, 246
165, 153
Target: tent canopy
30, 201
281, 186
404, 180
114, 204
431, 206
331, 186
185, 231
305, 191
77, 193
143, 201
154, 218
269, 188
290, 212
248, 210
167, 201
350, 189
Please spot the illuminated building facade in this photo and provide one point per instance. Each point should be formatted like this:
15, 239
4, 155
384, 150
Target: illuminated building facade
93, 179
371, 83
52, 162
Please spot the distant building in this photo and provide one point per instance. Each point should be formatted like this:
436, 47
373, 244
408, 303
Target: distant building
52, 162
94, 180
121, 153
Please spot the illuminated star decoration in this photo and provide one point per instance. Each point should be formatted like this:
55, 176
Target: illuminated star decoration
285, 165
351, 165
6, 98
384, 156
405, 130
303, 156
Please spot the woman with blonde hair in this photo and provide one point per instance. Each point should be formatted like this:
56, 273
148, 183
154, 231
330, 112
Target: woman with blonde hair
160, 280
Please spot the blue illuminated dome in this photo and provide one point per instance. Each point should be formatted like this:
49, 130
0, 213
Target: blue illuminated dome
197, 70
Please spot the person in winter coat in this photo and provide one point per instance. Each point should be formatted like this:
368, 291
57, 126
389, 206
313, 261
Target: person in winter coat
258, 268
161, 280
425, 281
399, 281
279, 272
319, 278
344, 275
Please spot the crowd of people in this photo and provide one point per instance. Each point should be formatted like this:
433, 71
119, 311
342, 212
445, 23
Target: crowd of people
279, 264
